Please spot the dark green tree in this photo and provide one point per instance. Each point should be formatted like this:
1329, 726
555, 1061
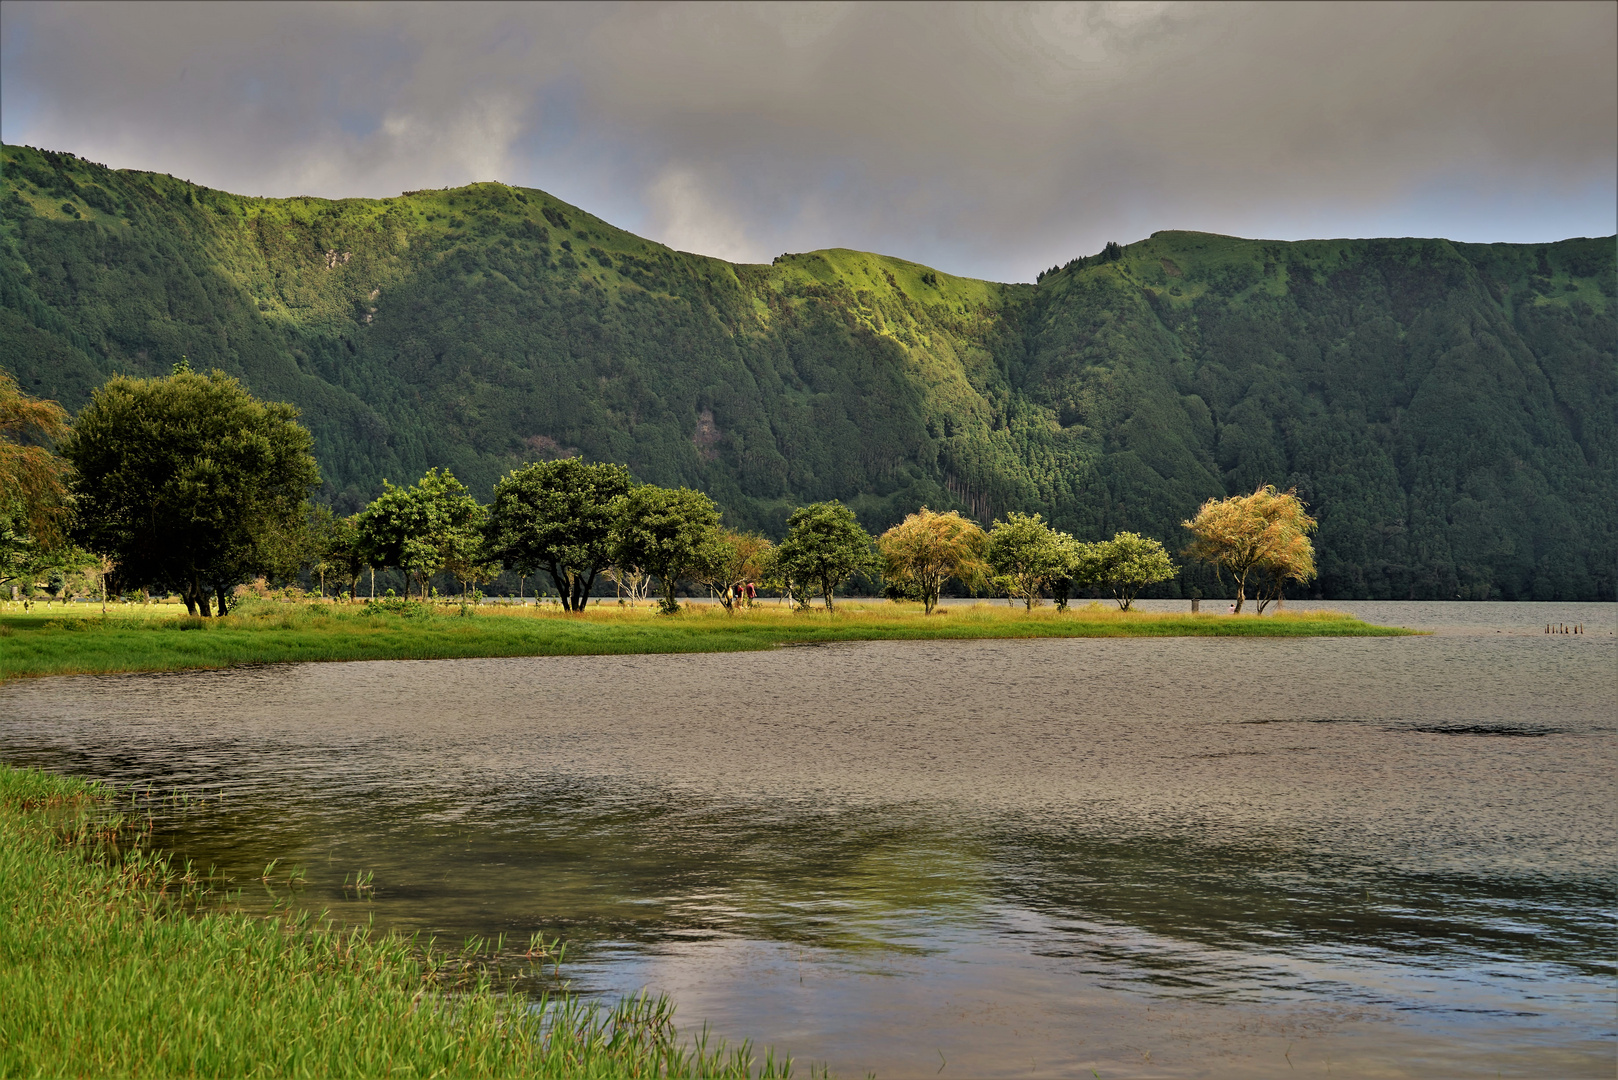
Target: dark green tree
423, 529
824, 546
344, 554
189, 482
557, 516
1126, 564
666, 532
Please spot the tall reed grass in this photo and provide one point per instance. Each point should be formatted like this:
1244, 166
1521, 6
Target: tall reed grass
108, 969
286, 632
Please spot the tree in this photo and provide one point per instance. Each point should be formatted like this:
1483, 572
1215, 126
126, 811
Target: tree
1128, 563
557, 516
344, 553
1244, 533
824, 546
33, 489
664, 531
189, 482
1026, 555
1291, 560
1076, 566
926, 549
729, 561
422, 529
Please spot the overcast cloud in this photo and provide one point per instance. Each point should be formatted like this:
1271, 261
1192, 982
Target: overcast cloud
990, 140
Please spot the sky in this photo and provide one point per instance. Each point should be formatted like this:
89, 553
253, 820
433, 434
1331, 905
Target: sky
993, 140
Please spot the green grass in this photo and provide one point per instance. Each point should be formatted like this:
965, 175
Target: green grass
103, 972
137, 639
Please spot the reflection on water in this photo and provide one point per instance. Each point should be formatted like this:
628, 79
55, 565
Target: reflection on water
1150, 857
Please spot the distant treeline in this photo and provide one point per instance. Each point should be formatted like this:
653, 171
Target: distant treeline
187, 483
1448, 412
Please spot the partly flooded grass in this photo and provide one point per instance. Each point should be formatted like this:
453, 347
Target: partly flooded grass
136, 640
106, 969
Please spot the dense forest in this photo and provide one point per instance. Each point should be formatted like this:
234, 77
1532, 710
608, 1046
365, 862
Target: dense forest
1447, 410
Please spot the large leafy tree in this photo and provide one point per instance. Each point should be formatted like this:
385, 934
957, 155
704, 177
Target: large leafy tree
925, 550
33, 489
423, 529
1026, 555
1126, 564
824, 546
665, 532
189, 482
557, 516
1265, 531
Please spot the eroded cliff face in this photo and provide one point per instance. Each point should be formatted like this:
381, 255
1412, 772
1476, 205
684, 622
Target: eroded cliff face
1447, 409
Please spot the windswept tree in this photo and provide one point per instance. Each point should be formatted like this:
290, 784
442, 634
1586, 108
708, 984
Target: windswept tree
1026, 555
1126, 564
1248, 533
189, 482
557, 516
824, 547
663, 531
423, 529
729, 561
33, 488
925, 550
1293, 559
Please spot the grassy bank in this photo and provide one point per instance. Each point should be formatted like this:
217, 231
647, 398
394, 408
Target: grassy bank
103, 973
135, 639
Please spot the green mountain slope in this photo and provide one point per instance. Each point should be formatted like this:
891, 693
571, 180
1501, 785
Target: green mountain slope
1448, 409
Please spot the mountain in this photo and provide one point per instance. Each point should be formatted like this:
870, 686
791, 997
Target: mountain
1448, 409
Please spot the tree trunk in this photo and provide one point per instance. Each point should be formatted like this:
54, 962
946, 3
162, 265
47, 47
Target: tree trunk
826, 588
1241, 588
219, 594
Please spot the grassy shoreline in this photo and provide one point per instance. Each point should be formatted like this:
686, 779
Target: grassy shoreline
136, 639
106, 970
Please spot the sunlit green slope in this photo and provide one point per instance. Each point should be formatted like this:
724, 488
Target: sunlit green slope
1448, 408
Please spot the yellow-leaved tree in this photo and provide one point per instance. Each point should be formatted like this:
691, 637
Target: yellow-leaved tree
1263, 537
926, 549
33, 490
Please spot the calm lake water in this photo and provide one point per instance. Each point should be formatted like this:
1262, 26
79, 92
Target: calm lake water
1180, 857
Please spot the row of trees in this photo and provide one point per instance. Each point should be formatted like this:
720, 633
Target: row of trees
188, 483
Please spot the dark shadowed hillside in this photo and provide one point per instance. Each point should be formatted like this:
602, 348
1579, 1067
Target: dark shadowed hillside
1448, 409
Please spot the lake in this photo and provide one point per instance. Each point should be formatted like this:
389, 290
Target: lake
1139, 857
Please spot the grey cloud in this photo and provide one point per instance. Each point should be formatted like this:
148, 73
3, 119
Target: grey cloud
987, 139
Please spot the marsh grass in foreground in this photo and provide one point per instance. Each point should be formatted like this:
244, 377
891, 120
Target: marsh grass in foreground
107, 970
262, 632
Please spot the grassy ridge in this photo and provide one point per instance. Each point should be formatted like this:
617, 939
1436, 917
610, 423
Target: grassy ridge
270, 633
1446, 409
102, 973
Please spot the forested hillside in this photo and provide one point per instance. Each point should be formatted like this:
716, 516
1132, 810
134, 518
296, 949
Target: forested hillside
1448, 410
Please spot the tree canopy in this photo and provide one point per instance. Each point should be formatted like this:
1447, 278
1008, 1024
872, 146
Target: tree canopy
823, 547
730, 561
1265, 531
1126, 564
664, 531
926, 549
425, 528
33, 489
557, 516
188, 482
1026, 555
